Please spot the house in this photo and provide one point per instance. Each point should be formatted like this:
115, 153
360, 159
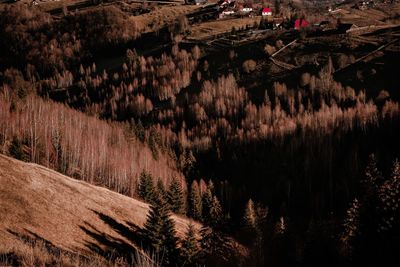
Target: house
300, 23
266, 11
228, 12
247, 8
226, 3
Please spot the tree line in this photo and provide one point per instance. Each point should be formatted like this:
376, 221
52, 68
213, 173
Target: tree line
78, 145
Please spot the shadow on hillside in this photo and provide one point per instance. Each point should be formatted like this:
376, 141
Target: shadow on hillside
33, 240
111, 246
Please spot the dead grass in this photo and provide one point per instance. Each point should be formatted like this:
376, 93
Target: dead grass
40, 204
370, 16
160, 16
49, 5
207, 29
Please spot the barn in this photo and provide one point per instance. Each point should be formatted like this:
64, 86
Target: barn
266, 11
300, 23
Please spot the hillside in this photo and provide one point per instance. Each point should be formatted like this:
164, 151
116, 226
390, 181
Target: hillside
71, 215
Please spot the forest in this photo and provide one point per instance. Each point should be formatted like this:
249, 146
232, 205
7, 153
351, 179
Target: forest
298, 168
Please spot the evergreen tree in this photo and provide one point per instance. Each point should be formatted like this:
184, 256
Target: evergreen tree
175, 197
351, 228
159, 230
195, 203
215, 213
213, 246
190, 247
250, 221
280, 227
187, 161
254, 223
250, 216
210, 186
140, 131
16, 149
389, 195
373, 177
146, 188
161, 189
207, 202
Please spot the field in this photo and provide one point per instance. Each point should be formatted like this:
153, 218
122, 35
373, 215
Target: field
71, 215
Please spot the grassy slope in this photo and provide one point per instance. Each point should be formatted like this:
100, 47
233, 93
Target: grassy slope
70, 214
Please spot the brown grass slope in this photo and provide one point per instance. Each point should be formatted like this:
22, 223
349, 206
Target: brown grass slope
36, 202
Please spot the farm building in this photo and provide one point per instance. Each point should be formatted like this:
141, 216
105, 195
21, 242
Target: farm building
266, 11
300, 23
247, 8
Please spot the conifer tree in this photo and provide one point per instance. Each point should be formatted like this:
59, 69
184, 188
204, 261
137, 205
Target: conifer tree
161, 189
389, 195
190, 161
207, 202
190, 246
16, 150
250, 220
212, 245
159, 230
250, 214
373, 177
215, 213
175, 197
195, 203
351, 228
210, 185
140, 131
280, 227
146, 188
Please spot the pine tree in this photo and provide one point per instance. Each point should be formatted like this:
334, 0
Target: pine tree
373, 177
195, 203
16, 150
175, 197
140, 131
351, 228
250, 215
159, 230
190, 247
154, 142
212, 245
146, 188
280, 227
389, 195
153, 226
161, 189
207, 202
189, 161
250, 220
210, 186
169, 244
215, 213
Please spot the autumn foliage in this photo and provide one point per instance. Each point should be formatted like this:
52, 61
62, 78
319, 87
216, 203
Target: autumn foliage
78, 145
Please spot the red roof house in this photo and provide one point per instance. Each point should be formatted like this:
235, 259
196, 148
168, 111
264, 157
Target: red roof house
300, 23
266, 11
